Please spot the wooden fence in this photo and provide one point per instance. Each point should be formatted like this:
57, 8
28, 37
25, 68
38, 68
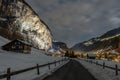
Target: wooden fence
37, 66
116, 69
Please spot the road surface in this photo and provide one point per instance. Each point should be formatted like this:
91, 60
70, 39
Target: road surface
73, 70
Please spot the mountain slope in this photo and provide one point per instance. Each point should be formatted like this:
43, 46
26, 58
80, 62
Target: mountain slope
110, 38
111, 33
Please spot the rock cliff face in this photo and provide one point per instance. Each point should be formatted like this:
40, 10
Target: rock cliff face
18, 20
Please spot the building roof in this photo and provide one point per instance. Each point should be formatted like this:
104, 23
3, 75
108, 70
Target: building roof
19, 41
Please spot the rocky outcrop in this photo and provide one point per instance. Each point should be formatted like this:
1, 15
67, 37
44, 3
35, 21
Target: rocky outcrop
18, 20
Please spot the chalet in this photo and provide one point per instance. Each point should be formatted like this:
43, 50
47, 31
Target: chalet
17, 46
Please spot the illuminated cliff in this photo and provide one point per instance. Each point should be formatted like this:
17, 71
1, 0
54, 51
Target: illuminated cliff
18, 20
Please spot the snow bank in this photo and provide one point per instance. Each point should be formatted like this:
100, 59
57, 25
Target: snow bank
98, 72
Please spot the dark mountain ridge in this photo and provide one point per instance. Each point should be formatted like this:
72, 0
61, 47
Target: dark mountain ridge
111, 33
110, 38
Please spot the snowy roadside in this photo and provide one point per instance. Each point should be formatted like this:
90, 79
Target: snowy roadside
98, 72
32, 75
22, 61
18, 61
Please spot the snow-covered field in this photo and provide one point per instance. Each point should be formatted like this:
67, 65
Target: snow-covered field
99, 72
17, 61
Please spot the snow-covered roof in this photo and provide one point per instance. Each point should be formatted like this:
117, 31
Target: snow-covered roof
3, 19
19, 41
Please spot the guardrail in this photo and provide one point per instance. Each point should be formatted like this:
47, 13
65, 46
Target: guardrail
37, 66
116, 69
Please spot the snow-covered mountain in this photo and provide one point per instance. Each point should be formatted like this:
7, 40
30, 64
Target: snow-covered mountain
110, 38
58, 47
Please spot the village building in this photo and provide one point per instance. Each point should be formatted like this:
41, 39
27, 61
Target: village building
91, 56
17, 46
